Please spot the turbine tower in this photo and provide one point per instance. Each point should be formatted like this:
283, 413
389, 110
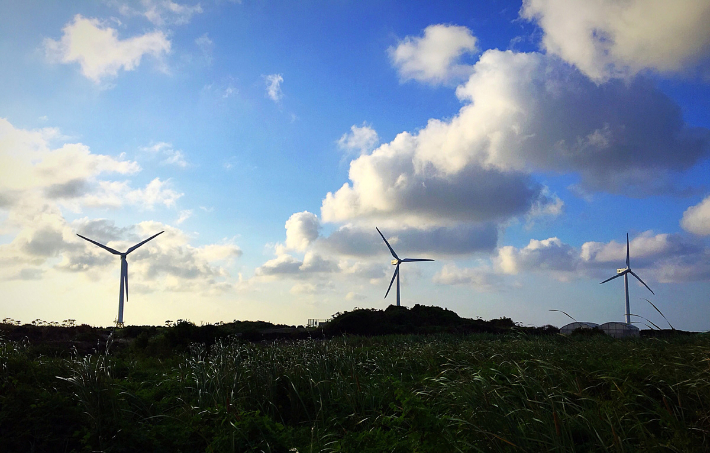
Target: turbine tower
396, 262
124, 271
625, 272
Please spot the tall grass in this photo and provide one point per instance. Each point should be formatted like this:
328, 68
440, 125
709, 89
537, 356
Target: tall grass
396, 393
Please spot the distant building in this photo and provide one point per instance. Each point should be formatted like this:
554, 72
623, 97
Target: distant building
620, 329
571, 327
317, 322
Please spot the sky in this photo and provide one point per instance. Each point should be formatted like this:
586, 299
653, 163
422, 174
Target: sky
516, 144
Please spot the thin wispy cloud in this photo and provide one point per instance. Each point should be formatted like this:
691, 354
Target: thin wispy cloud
166, 151
273, 87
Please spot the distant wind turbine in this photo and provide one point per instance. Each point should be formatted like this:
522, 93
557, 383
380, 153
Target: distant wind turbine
625, 272
396, 262
124, 271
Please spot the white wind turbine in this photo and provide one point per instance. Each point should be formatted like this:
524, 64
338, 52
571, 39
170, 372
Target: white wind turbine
396, 262
625, 272
124, 271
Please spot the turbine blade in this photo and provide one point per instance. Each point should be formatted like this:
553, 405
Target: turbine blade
388, 244
565, 313
627, 250
392, 281
659, 311
639, 279
639, 316
141, 243
409, 260
115, 252
612, 278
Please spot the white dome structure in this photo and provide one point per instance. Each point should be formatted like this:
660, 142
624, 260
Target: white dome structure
620, 329
571, 327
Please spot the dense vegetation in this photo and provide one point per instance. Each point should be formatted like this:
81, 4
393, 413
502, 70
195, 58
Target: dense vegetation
187, 388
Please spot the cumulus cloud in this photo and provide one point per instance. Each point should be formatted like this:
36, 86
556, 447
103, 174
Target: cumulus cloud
360, 140
301, 230
481, 278
287, 265
461, 239
393, 180
167, 262
664, 258
608, 38
157, 192
39, 180
434, 57
99, 51
696, 219
31, 168
522, 113
273, 86
550, 256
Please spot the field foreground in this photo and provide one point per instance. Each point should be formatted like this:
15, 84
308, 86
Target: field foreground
399, 393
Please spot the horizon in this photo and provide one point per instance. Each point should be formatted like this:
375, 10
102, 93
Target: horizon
513, 143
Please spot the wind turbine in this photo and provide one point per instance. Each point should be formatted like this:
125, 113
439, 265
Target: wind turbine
396, 262
625, 272
124, 271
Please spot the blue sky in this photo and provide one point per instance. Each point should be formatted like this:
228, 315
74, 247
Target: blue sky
514, 143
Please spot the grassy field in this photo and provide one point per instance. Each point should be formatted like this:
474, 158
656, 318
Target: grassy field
396, 393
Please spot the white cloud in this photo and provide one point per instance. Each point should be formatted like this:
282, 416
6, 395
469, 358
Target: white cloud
481, 278
48, 243
608, 38
360, 140
301, 230
206, 46
696, 219
172, 156
522, 113
354, 296
393, 180
282, 264
309, 288
285, 265
30, 168
161, 12
434, 57
176, 158
166, 263
184, 215
99, 51
273, 86
550, 256
156, 192
353, 241
657, 258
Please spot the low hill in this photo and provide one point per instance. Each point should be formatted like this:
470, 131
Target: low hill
419, 319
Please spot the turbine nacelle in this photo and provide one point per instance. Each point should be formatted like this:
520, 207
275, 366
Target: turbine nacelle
621, 271
394, 262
